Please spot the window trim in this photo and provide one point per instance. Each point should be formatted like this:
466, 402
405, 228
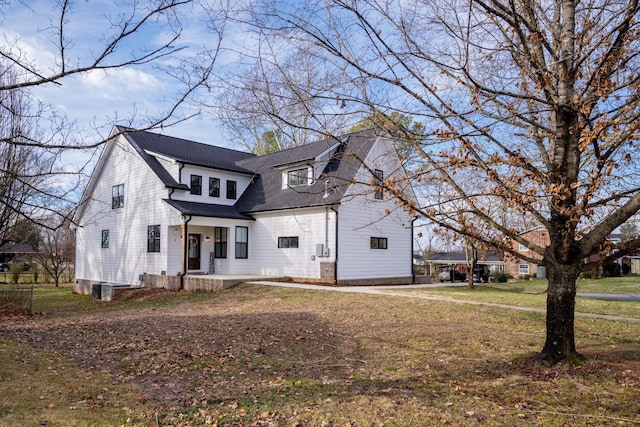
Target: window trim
117, 196
298, 177
242, 247
153, 238
220, 246
105, 242
378, 243
288, 242
232, 189
196, 188
214, 191
520, 268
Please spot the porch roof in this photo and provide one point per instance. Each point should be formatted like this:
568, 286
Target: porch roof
461, 258
206, 209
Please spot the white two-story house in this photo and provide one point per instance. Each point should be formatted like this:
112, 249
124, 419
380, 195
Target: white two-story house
158, 206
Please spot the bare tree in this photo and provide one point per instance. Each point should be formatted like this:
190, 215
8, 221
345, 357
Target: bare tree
57, 249
279, 100
536, 101
132, 39
25, 171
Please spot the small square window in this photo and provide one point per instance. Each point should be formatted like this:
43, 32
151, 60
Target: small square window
214, 187
231, 190
523, 269
288, 242
522, 248
117, 196
378, 243
105, 238
196, 185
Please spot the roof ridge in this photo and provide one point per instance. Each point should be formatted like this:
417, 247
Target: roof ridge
190, 141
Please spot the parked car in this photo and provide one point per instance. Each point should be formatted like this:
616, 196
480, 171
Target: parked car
25, 264
4, 267
481, 274
451, 274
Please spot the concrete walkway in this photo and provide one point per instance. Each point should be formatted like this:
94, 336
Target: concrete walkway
389, 290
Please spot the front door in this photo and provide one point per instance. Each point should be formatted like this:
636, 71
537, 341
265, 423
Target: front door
193, 261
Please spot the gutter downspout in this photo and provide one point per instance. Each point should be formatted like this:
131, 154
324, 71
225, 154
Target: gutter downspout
185, 250
413, 271
335, 270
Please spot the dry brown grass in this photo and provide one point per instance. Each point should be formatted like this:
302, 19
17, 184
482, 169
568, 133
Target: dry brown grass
272, 356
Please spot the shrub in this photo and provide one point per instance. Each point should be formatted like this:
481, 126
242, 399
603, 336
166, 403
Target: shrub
591, 274
502, 277
14, 271
611, 269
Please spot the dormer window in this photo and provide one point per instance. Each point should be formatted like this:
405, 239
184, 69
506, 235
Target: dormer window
297, 177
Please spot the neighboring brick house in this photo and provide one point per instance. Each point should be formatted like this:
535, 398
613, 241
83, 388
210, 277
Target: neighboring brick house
518, 267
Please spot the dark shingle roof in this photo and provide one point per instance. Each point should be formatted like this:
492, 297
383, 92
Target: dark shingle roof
266, 192
461, 257
206, 209
189, 152
17, 248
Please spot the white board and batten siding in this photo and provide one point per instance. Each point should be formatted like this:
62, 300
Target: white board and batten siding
126, 257
312, 226
362, 217
242, 182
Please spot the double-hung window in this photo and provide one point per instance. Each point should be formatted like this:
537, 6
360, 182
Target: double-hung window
153, 238
220, 242
523, 269
117, 196
214, 187
196, 185
231, 190
242, 242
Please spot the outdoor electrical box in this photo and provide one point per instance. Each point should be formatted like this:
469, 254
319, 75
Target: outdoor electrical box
322, 250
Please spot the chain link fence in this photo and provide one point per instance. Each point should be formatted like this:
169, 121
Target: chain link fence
16, 299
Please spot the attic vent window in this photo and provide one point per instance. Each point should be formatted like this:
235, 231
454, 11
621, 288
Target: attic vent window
297, 177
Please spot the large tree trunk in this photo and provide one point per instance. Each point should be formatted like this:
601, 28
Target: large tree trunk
560, 342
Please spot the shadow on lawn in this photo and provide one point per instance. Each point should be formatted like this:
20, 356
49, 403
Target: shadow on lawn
214, 355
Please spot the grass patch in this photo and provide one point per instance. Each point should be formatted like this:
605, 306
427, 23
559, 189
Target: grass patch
255, 355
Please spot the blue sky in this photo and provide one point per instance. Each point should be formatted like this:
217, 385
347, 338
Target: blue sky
99, 98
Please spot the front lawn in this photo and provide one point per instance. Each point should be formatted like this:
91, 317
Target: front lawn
261, 356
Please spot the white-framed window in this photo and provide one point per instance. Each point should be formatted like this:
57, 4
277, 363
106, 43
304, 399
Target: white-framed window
297, 177
523, 269
522, 248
